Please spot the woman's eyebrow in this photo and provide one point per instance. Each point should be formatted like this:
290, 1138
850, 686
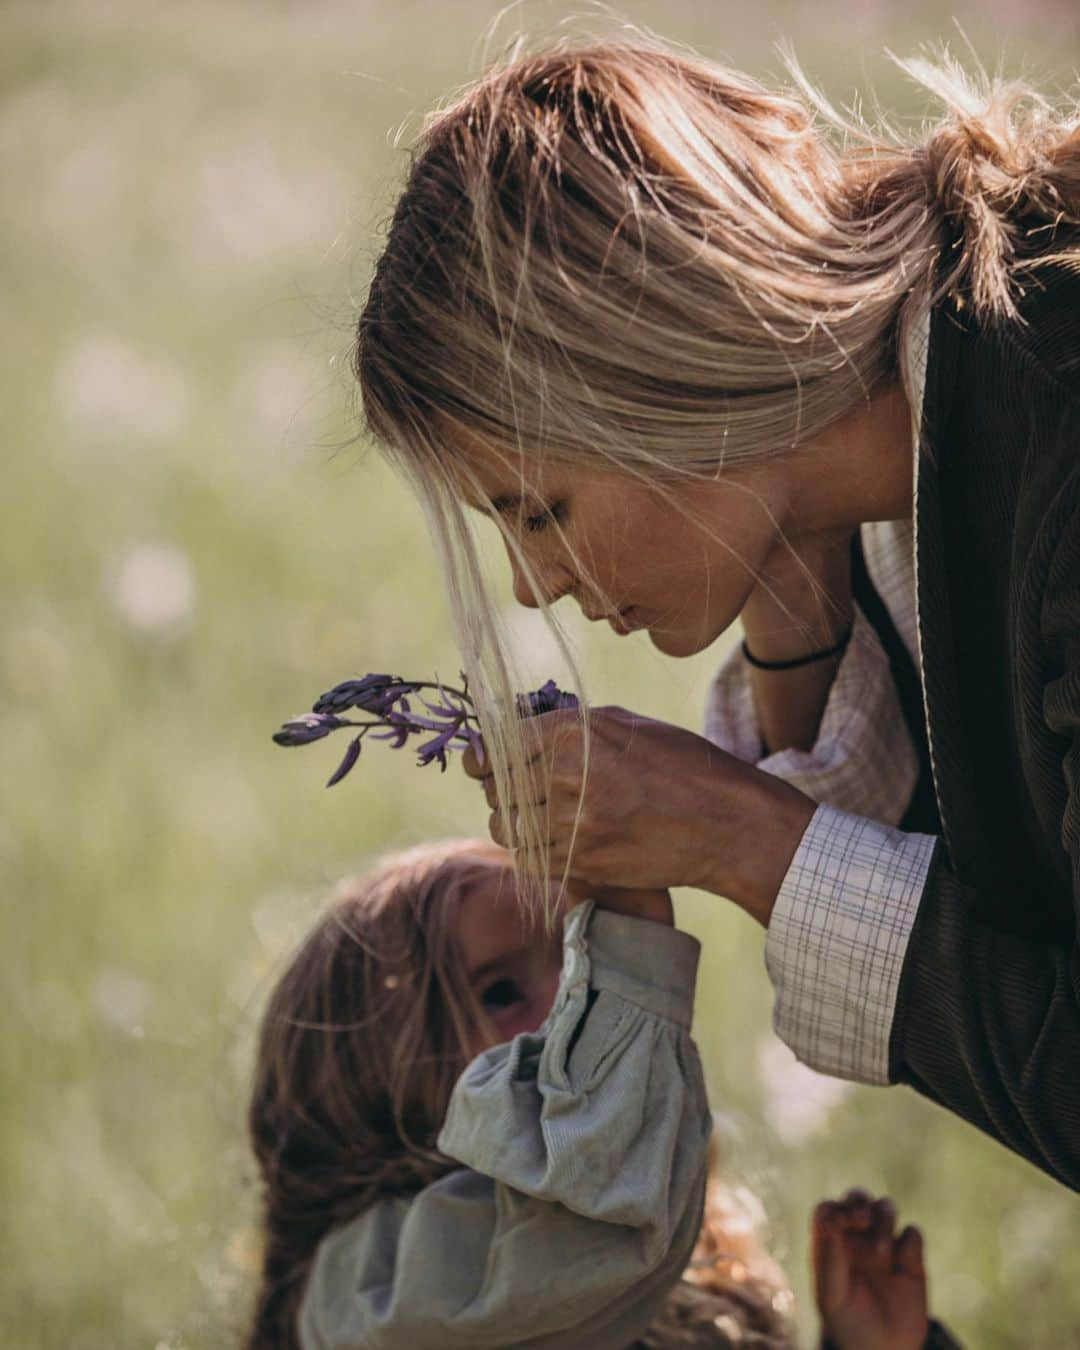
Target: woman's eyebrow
505, 503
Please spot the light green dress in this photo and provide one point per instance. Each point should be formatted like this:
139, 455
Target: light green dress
584, 1152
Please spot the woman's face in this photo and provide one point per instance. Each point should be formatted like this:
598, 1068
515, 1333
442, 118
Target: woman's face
512, 965
679, 562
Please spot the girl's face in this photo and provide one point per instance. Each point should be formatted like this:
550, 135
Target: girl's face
512, 965
679, 563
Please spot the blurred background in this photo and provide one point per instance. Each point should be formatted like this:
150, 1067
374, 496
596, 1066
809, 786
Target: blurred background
195, 543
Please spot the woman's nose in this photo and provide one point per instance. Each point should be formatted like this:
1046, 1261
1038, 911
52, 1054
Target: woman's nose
554, 581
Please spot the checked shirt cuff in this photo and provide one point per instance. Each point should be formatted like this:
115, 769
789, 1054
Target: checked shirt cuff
837, 939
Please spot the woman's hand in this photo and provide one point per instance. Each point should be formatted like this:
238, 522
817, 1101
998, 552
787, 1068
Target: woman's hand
662, 807
870, 1285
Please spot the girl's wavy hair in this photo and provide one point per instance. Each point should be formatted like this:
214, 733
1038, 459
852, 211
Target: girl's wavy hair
361, 1042
358, 1050
620, 257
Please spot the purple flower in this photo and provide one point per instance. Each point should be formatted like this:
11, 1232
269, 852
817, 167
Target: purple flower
548, 698
399, 731
375, 694
351, 756
384, 699
436, 748
306, 728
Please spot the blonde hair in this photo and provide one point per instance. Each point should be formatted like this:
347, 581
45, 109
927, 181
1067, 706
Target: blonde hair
624, 258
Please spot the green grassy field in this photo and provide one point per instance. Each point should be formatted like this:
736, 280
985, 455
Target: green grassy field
194, 544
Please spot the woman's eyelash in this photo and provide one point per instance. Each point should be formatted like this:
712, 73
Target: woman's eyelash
553, 514
500, 994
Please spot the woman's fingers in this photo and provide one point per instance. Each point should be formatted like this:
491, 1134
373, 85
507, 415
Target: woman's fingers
536, 739
502, 826
550, 735
473, 765
480, 771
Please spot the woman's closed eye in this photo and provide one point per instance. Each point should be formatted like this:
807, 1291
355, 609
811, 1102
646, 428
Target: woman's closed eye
555, 514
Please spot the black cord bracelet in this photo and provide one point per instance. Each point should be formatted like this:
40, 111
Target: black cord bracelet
798, 660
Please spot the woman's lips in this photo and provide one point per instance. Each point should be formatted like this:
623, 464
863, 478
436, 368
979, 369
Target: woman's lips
623, 622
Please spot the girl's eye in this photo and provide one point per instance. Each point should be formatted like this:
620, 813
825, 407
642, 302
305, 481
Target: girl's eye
553, 514
501, 994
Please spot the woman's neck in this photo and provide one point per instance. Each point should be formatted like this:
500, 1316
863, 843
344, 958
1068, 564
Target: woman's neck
860, 468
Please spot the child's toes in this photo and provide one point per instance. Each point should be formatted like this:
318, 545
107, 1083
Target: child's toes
857, 1209
882, 1227
884, 1222
832, 1268
908, 1254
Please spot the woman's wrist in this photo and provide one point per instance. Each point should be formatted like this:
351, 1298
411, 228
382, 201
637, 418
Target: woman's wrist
749, 837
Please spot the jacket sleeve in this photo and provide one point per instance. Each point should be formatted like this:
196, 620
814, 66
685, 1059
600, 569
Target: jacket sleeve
584, 1160
988, 1023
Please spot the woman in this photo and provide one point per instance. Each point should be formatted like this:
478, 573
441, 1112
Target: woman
701, 366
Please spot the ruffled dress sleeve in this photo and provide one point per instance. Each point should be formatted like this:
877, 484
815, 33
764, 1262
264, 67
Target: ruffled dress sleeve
584, 1152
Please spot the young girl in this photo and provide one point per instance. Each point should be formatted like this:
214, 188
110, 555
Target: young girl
701, 363
548, 1193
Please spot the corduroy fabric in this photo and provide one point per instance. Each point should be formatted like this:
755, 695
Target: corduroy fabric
988, 1010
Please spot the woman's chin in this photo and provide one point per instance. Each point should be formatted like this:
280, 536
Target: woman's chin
680, 642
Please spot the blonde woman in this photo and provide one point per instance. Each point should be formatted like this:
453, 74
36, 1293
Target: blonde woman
703, 359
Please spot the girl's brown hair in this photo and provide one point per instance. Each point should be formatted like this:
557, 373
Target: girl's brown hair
359, 1047
622, 257
361, 1042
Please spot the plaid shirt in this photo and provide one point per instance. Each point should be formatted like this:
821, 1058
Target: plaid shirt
845, 910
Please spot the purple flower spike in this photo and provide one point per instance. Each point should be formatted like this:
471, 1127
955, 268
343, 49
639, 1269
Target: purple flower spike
351, 756
437, 747
388, 716
306, 728
375, 694
548, 698
400, 730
